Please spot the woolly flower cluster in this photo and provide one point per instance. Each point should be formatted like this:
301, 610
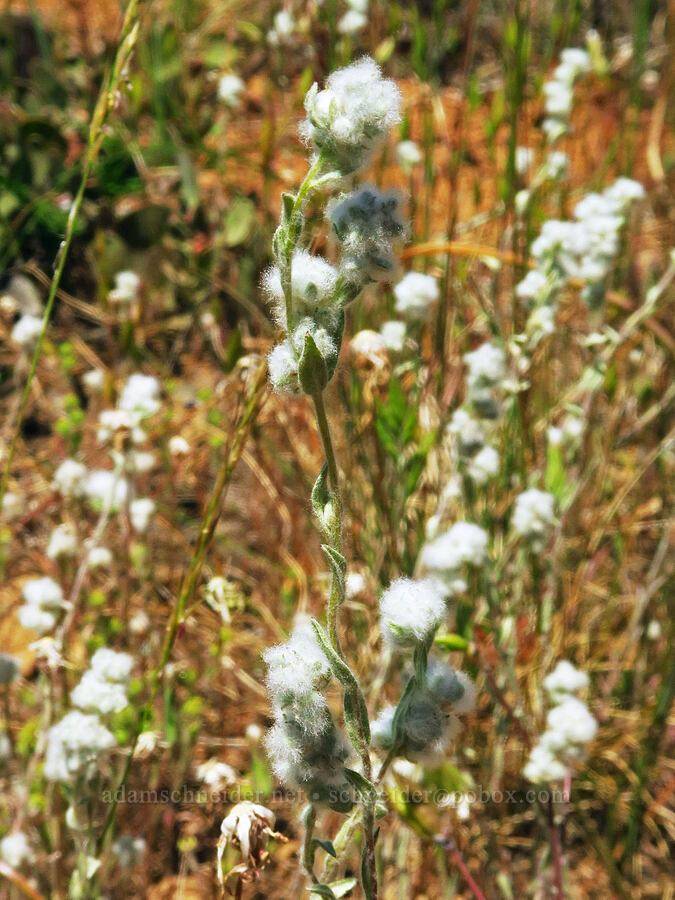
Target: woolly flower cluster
464, 544
355, 18
559, 91
73, 744
426, 720
472, 425
569, 727
534, 517
351, 116
43, 599
582, 249
103, 687
304, 745
415, 295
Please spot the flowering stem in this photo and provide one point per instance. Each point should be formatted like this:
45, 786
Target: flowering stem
307, 850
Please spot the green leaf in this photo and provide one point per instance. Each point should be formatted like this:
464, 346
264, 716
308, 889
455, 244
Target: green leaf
343, 886
325, 845
451, 642
239, 221
339, 667
338, 565
320, 492
321, 890
312, 370
361, 784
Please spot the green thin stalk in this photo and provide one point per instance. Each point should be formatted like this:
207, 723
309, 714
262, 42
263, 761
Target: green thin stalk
105, 103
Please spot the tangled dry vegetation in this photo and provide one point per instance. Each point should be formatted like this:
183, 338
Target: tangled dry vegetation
186, 193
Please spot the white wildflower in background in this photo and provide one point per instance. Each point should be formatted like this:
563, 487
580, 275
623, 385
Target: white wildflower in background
565, 679
62, 543
95, 694
393, 333
524, 160
408, 155
15, 849
12, 506
73, 743
284, 26
355, 585
129, 850
99, 558
411, 611
247, 826
230, 89
216, 774
352, 21
140, 395
112, 665
351, 116
487, 365
372, 346
69, 478
105, 488
94, 380
26, 332
484, 465
463, 544
415, 294
534, 516
127, 286
178, 446
43, 599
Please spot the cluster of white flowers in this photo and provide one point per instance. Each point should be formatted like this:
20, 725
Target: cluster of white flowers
62, 543
15, 849
408, 155
351, 116
43, 598
426, 721
415, 295
74, 743
69, 478
26, 331
304, 744
445, 557
230, 89
346, 122
125, 291
559, 91
103, 687
534, 517
355, 18
282, 29
569, 727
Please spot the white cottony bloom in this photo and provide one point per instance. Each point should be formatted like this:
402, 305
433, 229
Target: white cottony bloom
36, 618
284, 26
556, 165
62, 543
15, 849
576, 60
298, 665
393, 334
554, 129
96, 694
178, 446
554, 436
536, 286
534, 516
624, 191
469, 432
112, 665
105, 488
565, 679
94, 380
355, 585
408, 154
411, 611
284, 358
42, 592
415, 295
558, 98
313, 281
540, 323
524, 159
573, 428
247, 826
464, 544
230, 88
99, 558
142, 461
484, 465
543, 767
69, 478
12, 505
569, 724
26, 331
352, 21
140, 395
487, 365
352, 115
74, 742
126, 288
140, 513
216, 774
372, 346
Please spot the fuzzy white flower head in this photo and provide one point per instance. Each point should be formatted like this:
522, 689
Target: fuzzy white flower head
15, 849
463, 544
543, 767
44, 593
408, 154
12, 505
556, 166
178, 446
62, 543
94, 380
112, 665
313, 281
576, 60
393, 334
537, 286
74, 742
487, 365
554, 436
355, 585
565, 679
140, 395
126, 288
411, 611
114, 420
140, 513
352, 21
36, 618
558, 98
284, 26
570, 723
415, 295
469, 432
105, 488
99, 558
625, 191
69, 478
484, 465
352, 115
534, 516
524, 159
26, 331
554, 129
230, 88
282, 364
96, 694
372, 346
298, 665
216, 774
